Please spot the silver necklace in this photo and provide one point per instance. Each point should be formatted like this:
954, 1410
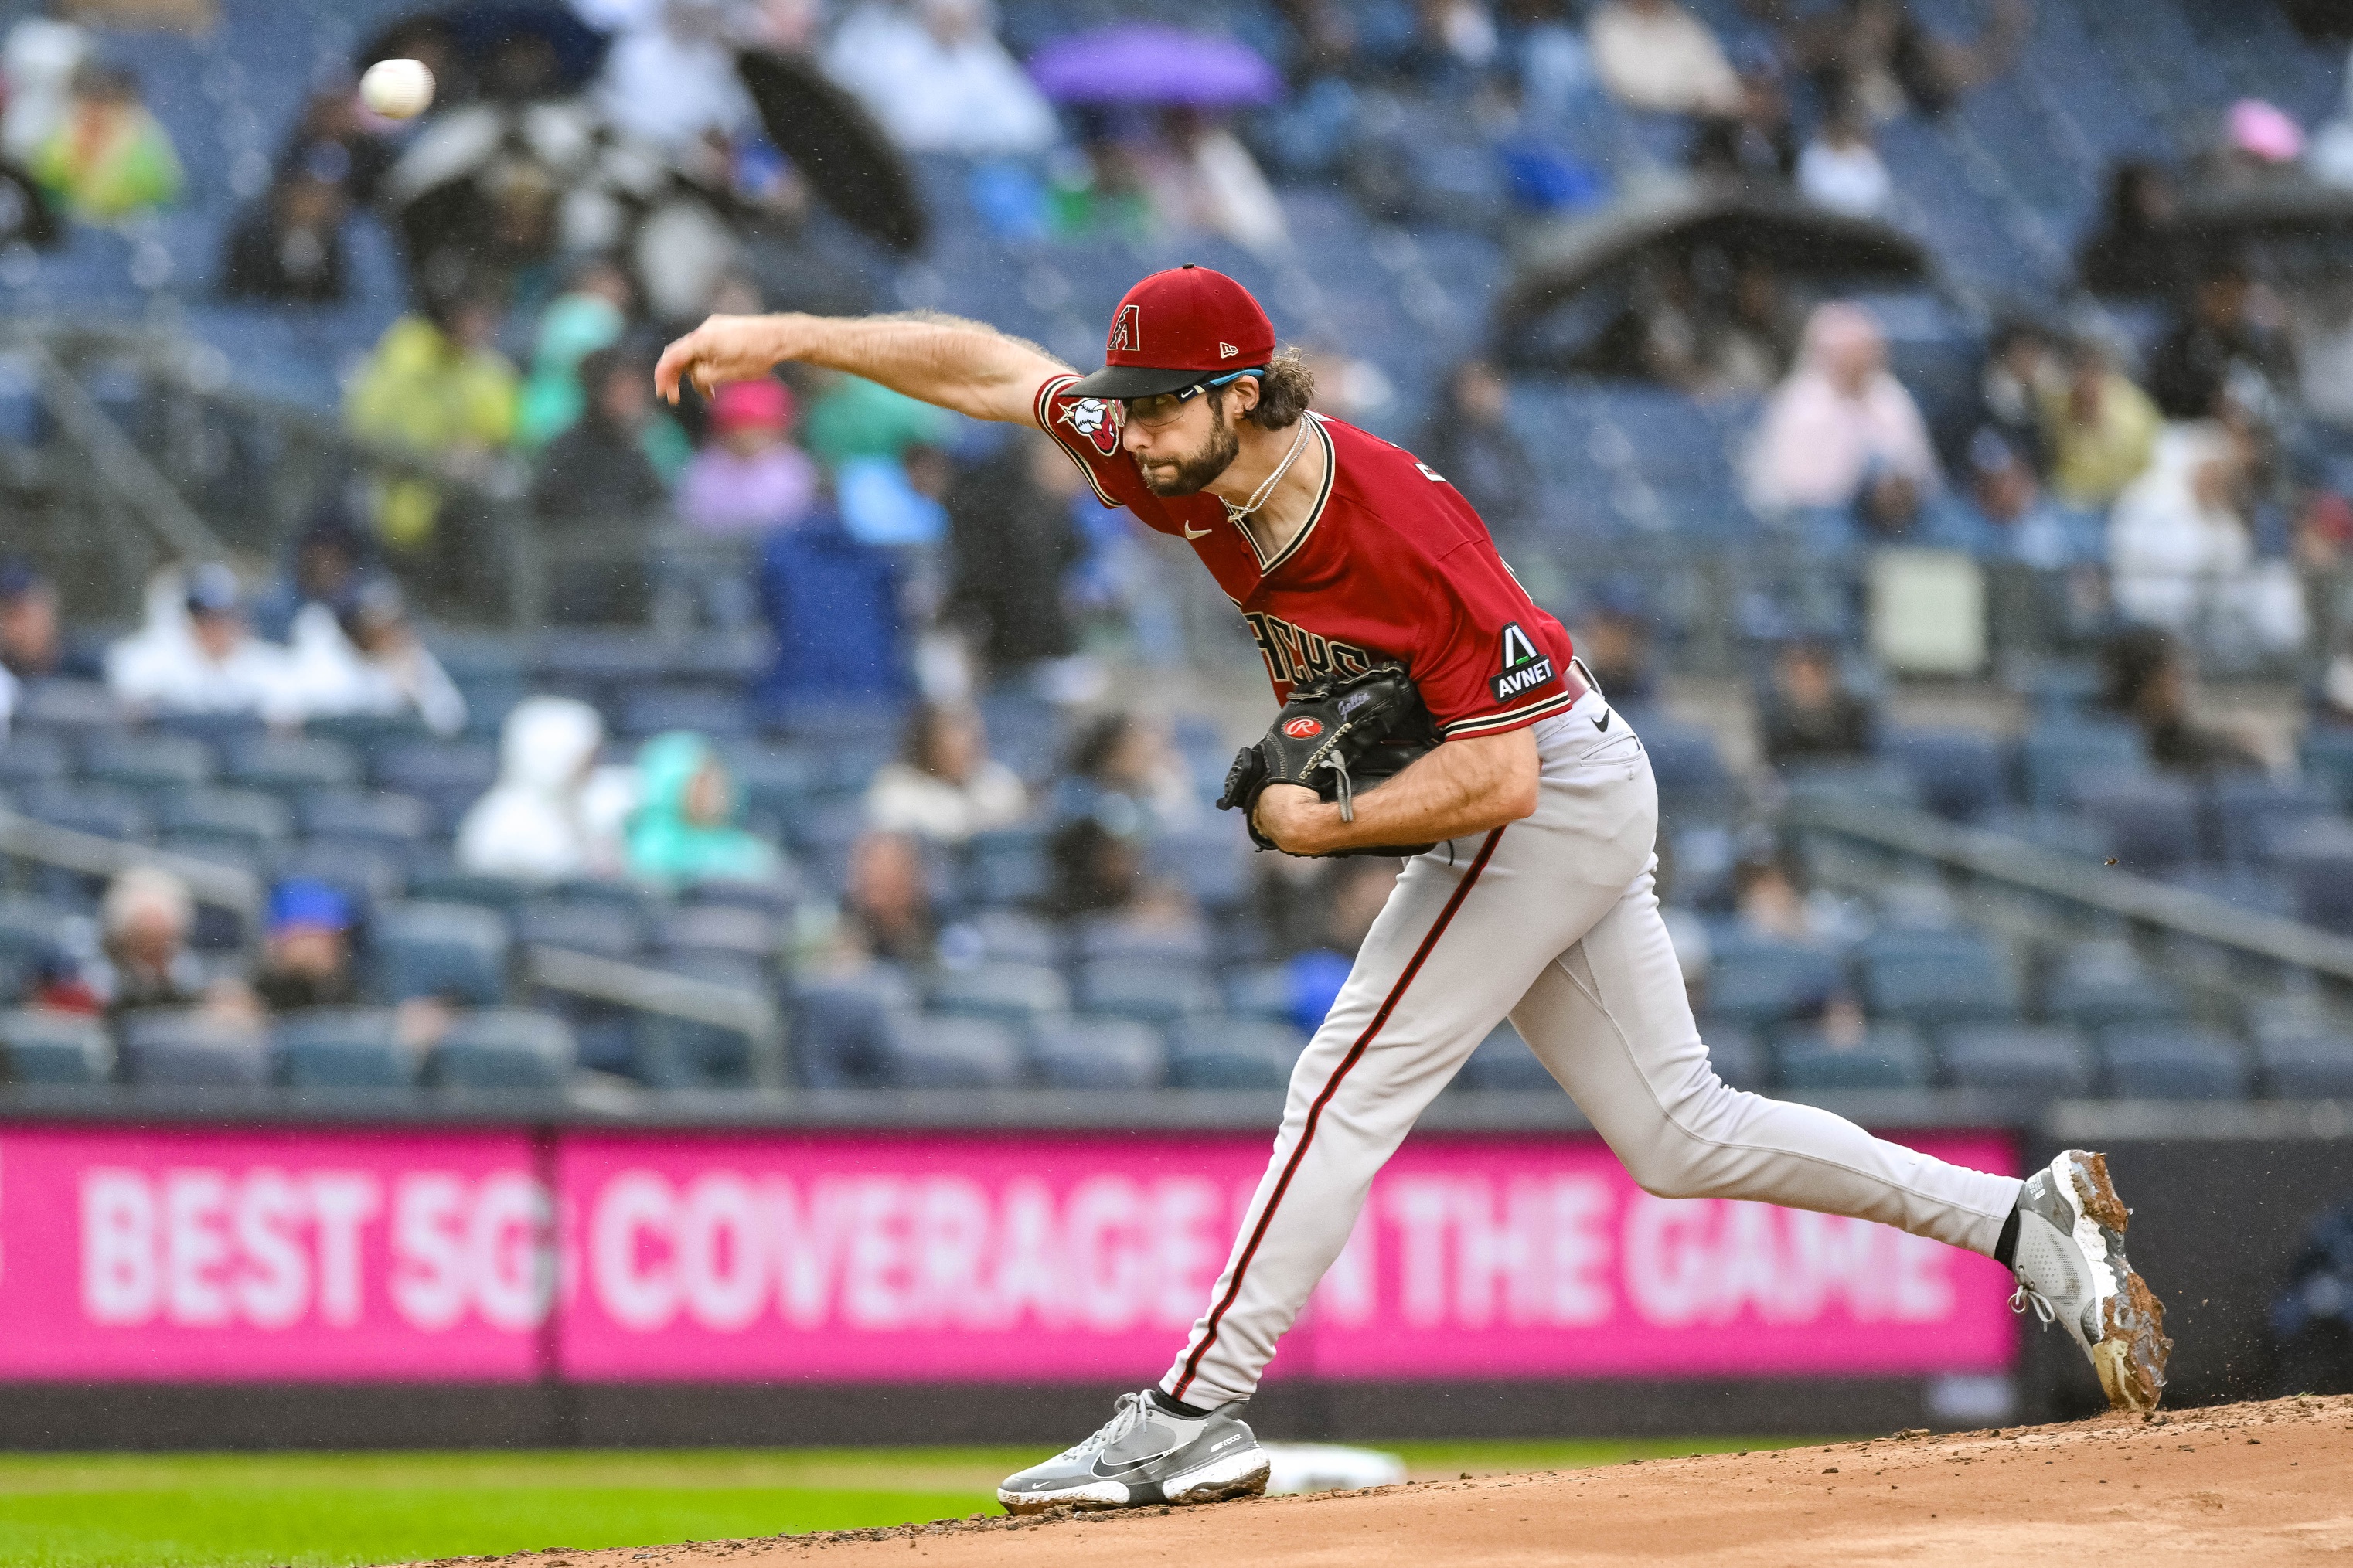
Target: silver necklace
1258, 497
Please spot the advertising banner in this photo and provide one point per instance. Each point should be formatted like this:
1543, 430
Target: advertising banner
346, 1256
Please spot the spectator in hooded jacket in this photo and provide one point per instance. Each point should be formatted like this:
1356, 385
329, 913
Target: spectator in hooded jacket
683, 830
362, 657
436, 387
111, 158
554, 814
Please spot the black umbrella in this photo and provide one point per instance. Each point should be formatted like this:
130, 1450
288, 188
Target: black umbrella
503, 47
2294, 229
848, 160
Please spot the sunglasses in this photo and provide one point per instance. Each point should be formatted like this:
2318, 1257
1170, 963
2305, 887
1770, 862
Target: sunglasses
1163, 408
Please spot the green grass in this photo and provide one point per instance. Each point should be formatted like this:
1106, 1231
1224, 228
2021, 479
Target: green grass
230, 1511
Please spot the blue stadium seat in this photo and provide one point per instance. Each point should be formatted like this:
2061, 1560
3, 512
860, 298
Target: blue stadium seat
718, 928
340, 1047
104, 809
608, 930
1020, 994
449, 775
1211, 862
378, 816
1763, 983
2173, 1061
436, 881
245, 819
1007, 867
453, 950
1691, 774
292, 764
1880, 782
29, 927
2251, 812
1110, 937
715, 715
1099, 1053
54, 1048
1889, 1056
190, 1047
33, 758
1503, 1064
1958, 774
2048, 1063
2098, 983
2327, 755
84, 707
1260, 991
2058, 762
1738, 1054
777, 901
503, 1048
2304, 1051
2316, 859
1009, 936
844, 1036
1148, 990
1217, 1052
2151, 824
1932, 978
941, 1051
138, 761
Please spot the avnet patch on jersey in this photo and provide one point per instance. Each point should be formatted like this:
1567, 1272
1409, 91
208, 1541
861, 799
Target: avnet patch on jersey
1526, 665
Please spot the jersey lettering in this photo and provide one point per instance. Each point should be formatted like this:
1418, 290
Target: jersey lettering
1295, 654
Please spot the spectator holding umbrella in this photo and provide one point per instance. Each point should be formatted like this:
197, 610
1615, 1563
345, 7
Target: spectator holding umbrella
938, 79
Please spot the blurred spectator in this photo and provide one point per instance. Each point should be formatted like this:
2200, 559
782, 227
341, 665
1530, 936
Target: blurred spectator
683, 830
362, 657
1841, 168
1099, 188
590, 314
2100, 429
945, 786
144, 925
38, 62
1471, 440
1809, 714
554, 814
1353, 895
886, 902
2137, 251
333, 141
1839, 415
1613, 642
1125, 771
327, 559
1767, 901
2260, 141
1096, 868
605, 467
2331, 158
32, 642
1879, 51
288, 248
436, 388
2020, 367
196, 654
854, 417
1011, 543
749, 477
111, 158
1756, 142
669, 76
1655, 55
2180, 556
2144, 677
938, 81
306, 956
2018, 522
2228, 342
833, 605
1203, 180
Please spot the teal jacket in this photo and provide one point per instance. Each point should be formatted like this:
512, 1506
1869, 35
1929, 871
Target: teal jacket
664, 847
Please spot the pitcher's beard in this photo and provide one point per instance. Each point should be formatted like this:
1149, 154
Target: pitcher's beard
1196, 473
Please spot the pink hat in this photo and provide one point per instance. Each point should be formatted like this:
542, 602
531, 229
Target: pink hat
2264, 131
762, 405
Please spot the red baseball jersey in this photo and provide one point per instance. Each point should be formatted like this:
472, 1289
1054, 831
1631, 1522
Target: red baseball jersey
1393, 566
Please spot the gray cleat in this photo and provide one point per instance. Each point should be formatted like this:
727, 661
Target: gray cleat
1146, 1454
2071, 1268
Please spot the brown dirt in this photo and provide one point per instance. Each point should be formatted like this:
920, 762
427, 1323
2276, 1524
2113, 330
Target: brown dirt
2270, 1483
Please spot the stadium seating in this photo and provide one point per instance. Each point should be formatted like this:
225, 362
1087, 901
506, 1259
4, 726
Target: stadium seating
2152, 1061
1888, 1056
54, 1048
1099, 1053
184, 1048
340, 1049
1231, 1053
943, 1051
502, 1048
2045, 1063
448, 950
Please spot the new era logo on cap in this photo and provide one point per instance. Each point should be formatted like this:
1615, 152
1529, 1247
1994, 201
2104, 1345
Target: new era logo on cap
1227, 351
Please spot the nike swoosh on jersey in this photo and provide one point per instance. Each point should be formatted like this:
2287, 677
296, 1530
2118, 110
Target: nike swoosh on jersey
1192, 532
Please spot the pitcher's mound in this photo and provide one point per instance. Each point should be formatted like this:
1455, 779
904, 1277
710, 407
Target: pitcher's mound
2266, 1483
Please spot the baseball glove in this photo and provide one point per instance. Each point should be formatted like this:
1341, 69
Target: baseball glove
1335, 736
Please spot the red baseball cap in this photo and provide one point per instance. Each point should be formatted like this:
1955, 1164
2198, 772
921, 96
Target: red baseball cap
1178, 328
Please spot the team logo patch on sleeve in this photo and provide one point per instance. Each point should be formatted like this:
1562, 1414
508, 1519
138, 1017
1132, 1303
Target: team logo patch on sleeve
1096, 419
1526, 665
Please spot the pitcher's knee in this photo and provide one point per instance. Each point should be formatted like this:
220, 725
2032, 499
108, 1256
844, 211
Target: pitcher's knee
1666, 1158
1667, 1169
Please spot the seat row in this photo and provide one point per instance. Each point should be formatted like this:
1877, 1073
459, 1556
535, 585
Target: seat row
328, 1048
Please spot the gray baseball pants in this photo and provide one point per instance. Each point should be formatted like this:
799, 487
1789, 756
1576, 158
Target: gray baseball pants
1553, 922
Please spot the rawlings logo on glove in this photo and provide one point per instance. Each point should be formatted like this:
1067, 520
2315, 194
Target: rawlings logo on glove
1335, 736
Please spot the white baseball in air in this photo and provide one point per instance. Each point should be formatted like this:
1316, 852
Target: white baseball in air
398, 90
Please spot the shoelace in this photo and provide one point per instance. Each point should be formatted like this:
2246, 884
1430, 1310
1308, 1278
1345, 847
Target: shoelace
1130, 1411
2025, 1296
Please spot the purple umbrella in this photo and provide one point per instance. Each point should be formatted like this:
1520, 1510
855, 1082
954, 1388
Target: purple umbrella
1141, 63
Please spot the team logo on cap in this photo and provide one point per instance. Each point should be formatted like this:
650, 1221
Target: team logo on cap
1302, 727
1127, 332
1096, 419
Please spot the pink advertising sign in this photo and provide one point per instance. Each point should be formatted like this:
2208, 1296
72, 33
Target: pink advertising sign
326, 1255
990, 1258
351, 1255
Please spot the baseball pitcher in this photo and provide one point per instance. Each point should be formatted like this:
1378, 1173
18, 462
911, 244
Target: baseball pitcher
1433, 711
